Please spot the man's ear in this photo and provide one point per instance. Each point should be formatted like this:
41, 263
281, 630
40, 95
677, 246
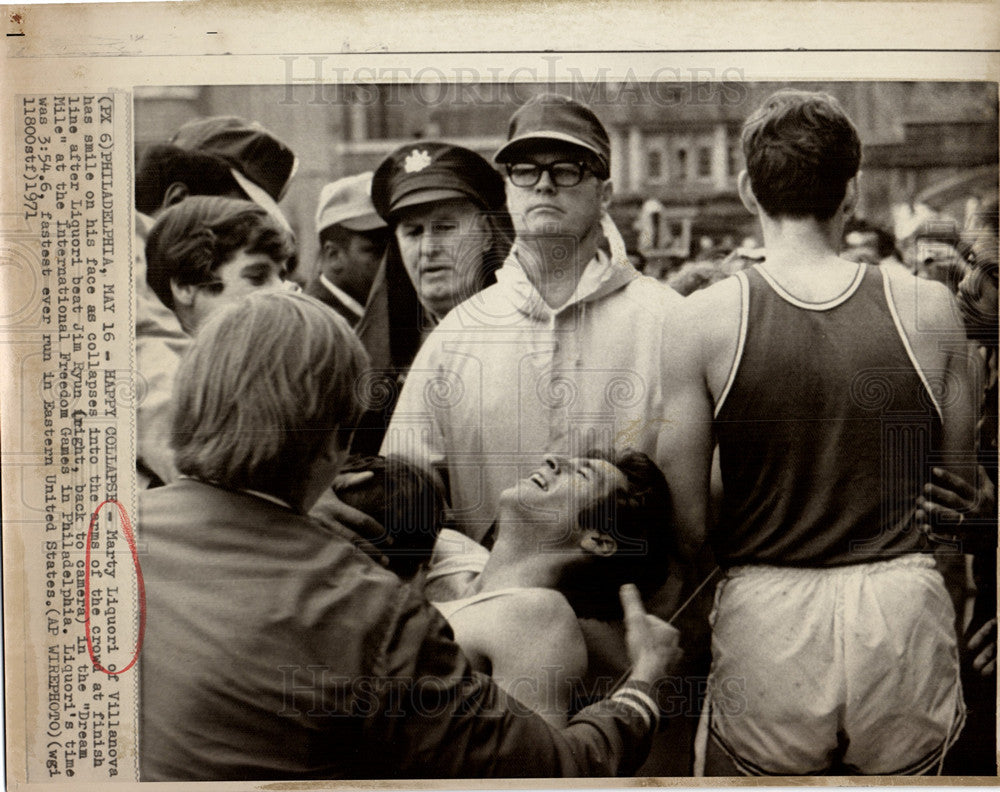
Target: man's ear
174, 194
333, 452
607, 190
485, 227
851, 192
331, 259
746, 193
183, 293
600, 544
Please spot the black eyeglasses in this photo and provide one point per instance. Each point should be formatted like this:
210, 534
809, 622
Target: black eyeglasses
562, 174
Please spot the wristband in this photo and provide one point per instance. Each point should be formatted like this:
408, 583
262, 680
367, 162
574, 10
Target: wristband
635, 696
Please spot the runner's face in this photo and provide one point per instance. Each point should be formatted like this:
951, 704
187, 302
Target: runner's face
567, 487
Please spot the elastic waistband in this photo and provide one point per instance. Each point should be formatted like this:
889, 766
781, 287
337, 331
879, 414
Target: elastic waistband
905, 561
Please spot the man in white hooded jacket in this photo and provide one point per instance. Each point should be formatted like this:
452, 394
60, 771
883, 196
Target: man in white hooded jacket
563, 353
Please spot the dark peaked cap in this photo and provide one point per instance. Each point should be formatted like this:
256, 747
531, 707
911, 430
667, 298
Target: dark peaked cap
550, 116
426, 171
248, 148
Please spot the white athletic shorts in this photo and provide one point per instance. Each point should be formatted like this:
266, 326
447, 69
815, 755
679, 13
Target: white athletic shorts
852, 668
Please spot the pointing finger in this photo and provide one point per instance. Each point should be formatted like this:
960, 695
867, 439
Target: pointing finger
635, 613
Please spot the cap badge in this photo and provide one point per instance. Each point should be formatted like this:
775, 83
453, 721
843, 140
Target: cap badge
416, 161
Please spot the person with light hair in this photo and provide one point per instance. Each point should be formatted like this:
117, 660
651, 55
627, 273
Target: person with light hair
275, 647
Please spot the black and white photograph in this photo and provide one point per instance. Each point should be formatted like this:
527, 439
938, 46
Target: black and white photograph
507, 397
574, 429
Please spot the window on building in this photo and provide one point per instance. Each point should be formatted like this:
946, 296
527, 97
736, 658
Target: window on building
734, 159
704, 162
654, 165
682, 164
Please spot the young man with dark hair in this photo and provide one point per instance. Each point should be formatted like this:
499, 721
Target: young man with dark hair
568, 537
822, 381
801, 154
217, 156
207, 252
273, 648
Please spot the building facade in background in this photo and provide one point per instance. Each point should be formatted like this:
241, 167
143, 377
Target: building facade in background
675, 145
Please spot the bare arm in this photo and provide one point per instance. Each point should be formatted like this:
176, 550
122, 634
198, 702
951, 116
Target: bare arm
929, 316
960, 413
684, 448
453, 723
536, 649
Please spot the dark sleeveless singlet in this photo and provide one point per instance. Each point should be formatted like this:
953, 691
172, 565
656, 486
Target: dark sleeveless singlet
826, 432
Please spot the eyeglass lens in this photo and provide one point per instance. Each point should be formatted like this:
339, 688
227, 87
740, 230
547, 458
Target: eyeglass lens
562, 174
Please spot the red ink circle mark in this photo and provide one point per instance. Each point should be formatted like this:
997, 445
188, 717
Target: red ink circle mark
140, 585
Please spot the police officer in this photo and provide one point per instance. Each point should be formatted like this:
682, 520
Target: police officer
444, 205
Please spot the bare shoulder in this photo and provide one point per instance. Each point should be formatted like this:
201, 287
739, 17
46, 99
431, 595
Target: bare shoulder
537, 604
714, 313
722, 294
529, 614
931, 324
529, 627
654, 295
923, 306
